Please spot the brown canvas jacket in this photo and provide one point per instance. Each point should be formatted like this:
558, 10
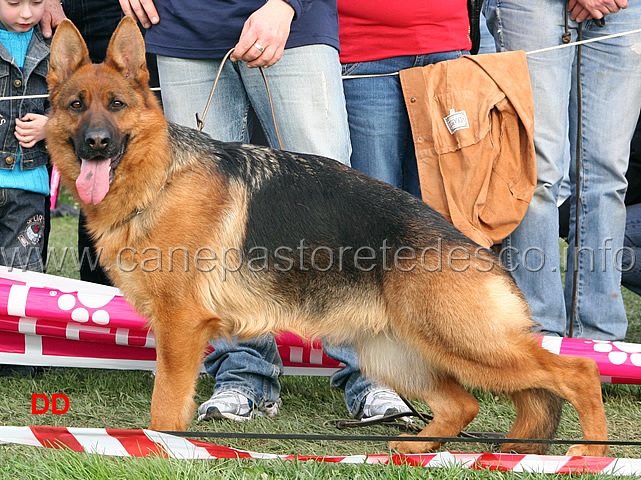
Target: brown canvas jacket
472, 124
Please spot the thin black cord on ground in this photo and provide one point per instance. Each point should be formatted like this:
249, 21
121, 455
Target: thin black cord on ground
392, 438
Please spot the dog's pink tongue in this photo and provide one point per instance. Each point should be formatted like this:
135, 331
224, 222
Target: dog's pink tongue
93, 182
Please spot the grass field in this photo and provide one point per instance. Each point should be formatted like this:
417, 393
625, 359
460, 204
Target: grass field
121, 399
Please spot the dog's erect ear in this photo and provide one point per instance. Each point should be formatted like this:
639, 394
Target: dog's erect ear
68, 53
126, 51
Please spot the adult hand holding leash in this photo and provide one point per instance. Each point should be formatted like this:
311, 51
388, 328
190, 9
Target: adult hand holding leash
143, 11
262, 40
594, 9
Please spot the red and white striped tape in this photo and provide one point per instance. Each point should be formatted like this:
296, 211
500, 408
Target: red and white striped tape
145, 443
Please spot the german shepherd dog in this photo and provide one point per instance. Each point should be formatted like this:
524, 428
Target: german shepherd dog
264, 241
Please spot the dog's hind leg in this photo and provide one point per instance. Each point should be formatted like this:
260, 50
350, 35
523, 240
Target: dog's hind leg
534, 369
180, 345
453, 409
577, 380
538, 413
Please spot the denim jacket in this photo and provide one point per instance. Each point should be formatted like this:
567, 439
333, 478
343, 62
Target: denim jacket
32, 80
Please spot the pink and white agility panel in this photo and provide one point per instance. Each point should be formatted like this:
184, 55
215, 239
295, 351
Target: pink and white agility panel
49, 320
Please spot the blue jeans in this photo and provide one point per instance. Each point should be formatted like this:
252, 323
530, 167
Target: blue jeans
306, 89
631, 254
253, 367
611, 100
487, 44
310, 110
22, 229
382, 145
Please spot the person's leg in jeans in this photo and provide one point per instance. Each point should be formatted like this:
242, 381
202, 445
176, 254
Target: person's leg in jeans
250, 367
305, 87
309, 102
21, 244
185, 85
349, 378
381, 141
631, 253
378, 122
380, 131
21, 229
600, 312
487, 40
531, 252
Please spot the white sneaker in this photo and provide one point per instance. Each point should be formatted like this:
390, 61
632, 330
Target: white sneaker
233, 405
384, 401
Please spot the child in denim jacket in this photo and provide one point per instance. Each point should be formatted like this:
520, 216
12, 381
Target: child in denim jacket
24, 180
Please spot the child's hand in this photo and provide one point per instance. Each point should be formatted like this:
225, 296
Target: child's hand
31, 129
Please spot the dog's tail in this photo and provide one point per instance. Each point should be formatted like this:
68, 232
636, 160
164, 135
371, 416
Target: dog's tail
538, 413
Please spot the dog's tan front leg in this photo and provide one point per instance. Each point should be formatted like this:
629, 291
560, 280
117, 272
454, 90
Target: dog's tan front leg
179, 349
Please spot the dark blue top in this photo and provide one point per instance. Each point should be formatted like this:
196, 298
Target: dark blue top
207, 29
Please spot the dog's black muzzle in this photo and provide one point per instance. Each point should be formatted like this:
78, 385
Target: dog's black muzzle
97, 143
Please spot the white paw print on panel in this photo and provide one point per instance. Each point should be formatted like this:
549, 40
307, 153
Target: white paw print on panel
620, 355
67, 302
634, 349
101, 317
80, 315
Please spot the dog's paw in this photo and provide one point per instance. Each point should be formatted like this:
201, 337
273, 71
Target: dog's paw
587, 451
413, 447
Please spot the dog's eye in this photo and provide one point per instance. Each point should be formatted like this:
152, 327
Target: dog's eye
117, 104
76, 105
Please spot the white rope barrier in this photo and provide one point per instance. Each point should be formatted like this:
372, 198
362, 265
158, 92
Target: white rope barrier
533, 52
583, 42
44, 95
350, 77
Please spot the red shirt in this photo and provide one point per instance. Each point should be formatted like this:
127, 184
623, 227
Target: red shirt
376, 29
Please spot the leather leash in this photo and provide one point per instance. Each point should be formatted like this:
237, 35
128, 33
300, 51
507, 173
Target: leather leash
200, 121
